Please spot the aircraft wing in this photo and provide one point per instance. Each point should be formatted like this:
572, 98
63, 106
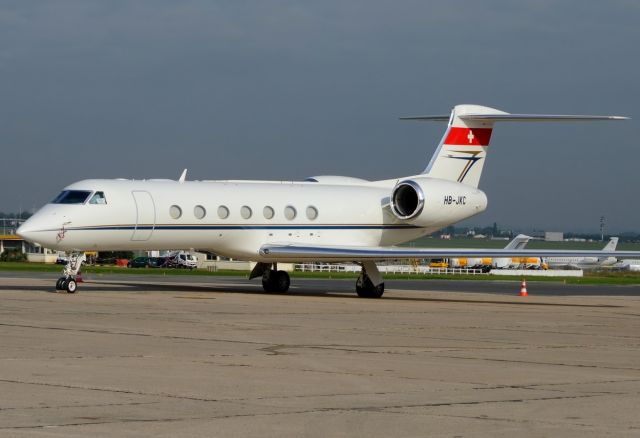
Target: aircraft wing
355, 253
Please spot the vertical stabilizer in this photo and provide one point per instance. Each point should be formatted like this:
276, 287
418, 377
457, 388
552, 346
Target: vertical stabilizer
461, 154
519, 242
611, 245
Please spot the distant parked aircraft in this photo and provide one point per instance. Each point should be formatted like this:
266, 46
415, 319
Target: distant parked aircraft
519, 242
586, 262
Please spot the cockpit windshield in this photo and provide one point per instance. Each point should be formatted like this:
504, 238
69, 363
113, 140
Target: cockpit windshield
72, 197
98, 198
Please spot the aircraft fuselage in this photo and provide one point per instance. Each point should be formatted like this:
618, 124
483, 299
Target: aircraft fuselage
235, 218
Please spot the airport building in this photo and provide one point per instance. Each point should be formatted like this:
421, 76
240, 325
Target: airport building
553, 236
10, 241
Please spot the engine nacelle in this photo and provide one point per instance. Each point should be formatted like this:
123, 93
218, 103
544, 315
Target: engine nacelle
425, 201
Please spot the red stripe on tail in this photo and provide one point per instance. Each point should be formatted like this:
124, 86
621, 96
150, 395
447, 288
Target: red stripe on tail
468, 136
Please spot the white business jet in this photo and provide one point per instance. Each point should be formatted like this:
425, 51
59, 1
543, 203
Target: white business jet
324, 218
586, 262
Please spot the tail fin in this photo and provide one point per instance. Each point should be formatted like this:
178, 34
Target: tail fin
611, 245
518, 242
461, 154
462, 151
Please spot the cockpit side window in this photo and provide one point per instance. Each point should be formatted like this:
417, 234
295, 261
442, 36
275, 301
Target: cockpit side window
98, 198
72, 197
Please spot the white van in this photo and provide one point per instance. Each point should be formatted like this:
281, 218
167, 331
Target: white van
182, 260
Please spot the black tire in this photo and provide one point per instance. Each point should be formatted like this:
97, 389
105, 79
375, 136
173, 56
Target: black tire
366, 289
282, 281
71, 286
276, 281
59, 283
267, 282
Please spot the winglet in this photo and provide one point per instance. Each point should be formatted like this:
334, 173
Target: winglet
183, 177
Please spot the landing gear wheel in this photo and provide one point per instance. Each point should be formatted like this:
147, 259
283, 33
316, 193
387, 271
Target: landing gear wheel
59, 283
366, 289
70, 286
275, 281
267, 283
282, 281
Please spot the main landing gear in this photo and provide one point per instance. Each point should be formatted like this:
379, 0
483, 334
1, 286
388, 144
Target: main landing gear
272, 279
68, 281
369, 284
275, 281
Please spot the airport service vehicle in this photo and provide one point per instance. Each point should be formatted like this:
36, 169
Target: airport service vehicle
182, 260
62, 259
438, 263
586, 262
324, 218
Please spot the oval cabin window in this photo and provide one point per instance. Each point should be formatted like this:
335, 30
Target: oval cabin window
245, 212
268, 212
223, 212
290, 212
312, 212
175, 212
199, 212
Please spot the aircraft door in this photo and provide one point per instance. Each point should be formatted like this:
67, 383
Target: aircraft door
145, 215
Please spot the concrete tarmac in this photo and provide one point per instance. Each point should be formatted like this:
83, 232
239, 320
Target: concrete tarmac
206, 356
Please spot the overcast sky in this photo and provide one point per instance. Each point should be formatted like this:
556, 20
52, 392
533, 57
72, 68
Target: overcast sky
290, 89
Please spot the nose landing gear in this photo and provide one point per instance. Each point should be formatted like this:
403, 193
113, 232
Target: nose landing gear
68, 281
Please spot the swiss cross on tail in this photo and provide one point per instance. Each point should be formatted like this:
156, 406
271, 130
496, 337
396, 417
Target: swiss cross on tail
462, 136
459, 156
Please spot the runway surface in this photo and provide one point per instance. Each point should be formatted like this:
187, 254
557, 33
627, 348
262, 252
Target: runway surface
213, 356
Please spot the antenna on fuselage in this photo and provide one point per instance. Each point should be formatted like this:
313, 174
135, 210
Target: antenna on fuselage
183, 177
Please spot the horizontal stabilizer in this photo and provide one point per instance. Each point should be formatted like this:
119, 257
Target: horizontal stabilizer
440, 118
518, 118
358, 253
537, 118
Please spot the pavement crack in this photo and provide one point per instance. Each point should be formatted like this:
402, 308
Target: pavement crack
578, 365
146, 335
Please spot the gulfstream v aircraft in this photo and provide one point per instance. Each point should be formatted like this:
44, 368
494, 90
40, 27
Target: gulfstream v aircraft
324, 218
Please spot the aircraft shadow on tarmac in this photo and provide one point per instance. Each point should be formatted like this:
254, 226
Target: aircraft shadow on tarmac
299, 291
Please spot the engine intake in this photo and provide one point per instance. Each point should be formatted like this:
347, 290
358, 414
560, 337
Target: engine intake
407, 200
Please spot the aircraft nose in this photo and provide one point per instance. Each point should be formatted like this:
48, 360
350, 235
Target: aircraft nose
26, 230
38, 229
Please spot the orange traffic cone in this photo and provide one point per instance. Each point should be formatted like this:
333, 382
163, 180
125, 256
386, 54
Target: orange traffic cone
523, 289
79, 278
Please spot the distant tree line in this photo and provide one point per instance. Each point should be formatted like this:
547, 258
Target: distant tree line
489, 231
494, 231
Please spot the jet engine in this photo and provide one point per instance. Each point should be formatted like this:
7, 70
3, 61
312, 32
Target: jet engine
425, 201
407, 200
